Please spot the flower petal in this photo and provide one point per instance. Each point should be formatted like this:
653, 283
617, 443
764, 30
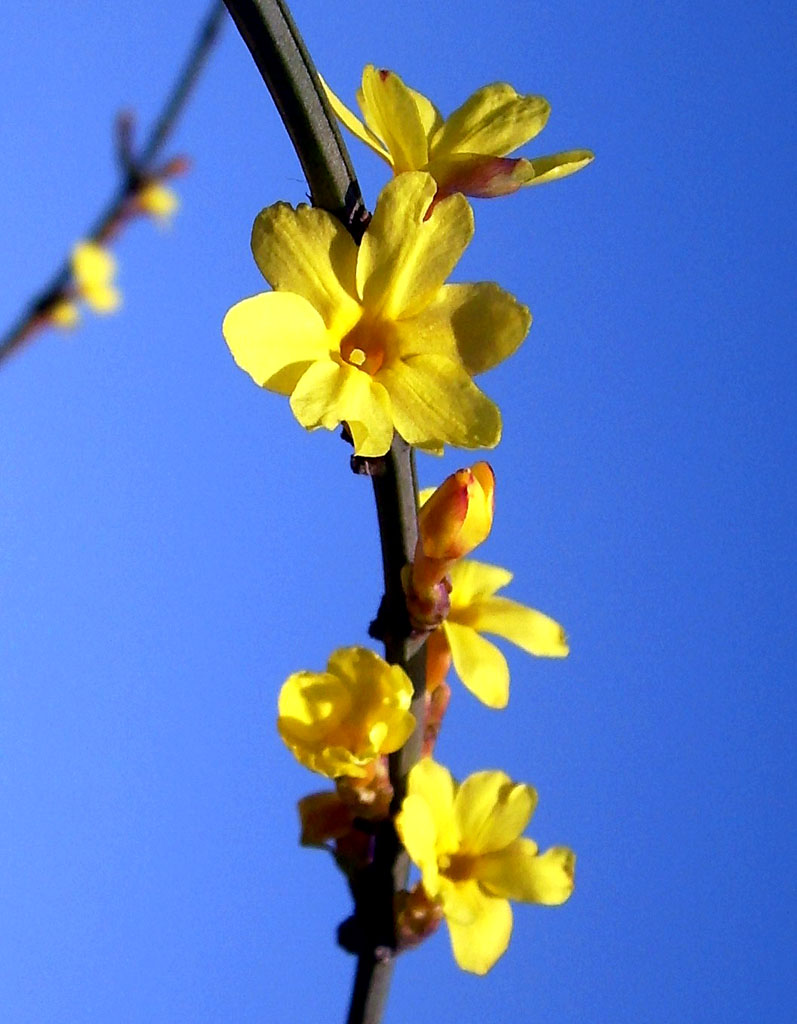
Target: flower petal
432, 783
479, 664
431, 118
274, 337
559, 165
493, 121
310, 705
416, 828
480, 926
521, 873
529, 629
404, 258
102, 298
309, 252
471, 580
92, 265
482, 322
392, 114
491, 811
329, 393
436, 402
350, 120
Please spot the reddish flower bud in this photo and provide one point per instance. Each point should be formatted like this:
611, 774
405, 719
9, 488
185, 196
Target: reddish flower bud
417, 917
459, 515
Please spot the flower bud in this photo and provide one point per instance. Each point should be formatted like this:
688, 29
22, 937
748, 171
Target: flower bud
459, 515
454, 520
417, 917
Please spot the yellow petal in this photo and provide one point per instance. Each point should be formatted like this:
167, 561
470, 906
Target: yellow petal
328, 394
310, 705
529, 629
404, 259
417, 831
479, 664
520, 873
309, 252
431, 118
559, 165
491, 811
480, 926
92, 265
102, 298
391, 112
432, 783
435, 401
350, 120
493, 121
484, 323
275, 337
471, 580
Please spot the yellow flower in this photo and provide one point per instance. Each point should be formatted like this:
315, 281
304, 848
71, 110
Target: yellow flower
475, 609
158, 200
466, 840
340, 721
93, 271
467, 152
372, 335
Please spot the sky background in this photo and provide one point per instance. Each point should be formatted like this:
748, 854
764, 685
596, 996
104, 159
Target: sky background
174, 544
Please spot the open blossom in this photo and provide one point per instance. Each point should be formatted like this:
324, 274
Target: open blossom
340, 721
466, 839
466, 152
476, 608
93, 273
371, 335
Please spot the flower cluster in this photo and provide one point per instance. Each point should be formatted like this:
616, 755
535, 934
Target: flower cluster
372, 336
92, 264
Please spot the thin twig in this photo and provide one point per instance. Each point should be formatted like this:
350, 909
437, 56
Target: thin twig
34, 317
282, 59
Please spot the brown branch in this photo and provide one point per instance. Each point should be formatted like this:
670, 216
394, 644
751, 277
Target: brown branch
134, 170
282, 59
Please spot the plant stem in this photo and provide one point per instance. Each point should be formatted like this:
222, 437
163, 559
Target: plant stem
281, 58
285, 65
32, 318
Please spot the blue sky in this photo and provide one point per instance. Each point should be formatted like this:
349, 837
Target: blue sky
174, 545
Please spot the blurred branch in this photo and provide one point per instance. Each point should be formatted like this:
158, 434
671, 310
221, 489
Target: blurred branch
135, 170
285, 65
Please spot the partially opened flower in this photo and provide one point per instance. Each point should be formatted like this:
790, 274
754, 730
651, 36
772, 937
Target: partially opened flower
466, 152
476, 608
338, 722
466, 839
372, 336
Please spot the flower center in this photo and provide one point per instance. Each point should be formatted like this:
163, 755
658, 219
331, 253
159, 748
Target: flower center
368, 345
458, 867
